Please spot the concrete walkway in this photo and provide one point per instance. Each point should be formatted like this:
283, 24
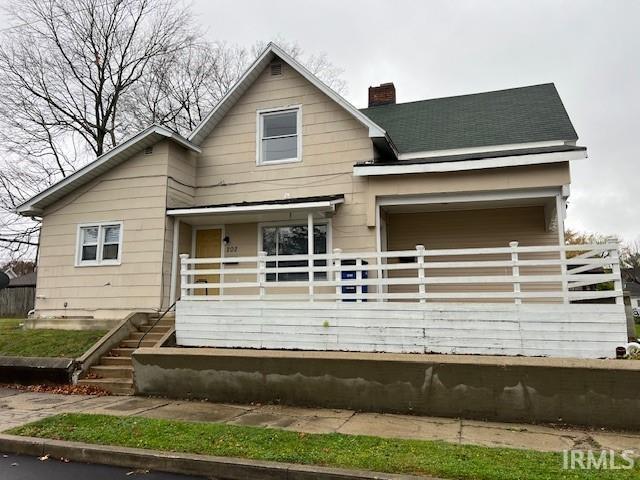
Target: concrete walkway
17, 408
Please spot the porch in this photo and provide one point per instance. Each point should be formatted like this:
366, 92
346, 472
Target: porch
274, 286
345, 302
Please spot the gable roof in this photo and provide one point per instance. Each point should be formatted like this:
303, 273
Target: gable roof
271, 52
129, 147
505, 117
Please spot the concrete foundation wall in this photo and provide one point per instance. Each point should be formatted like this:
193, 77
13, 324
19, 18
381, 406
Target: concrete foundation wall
581, 392
61, 323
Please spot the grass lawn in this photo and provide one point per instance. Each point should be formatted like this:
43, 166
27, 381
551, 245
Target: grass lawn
15, 342
637, 330
441, 459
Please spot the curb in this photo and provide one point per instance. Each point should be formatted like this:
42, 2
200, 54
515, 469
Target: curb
222, 468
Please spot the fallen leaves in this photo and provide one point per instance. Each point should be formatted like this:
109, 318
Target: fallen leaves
59, 389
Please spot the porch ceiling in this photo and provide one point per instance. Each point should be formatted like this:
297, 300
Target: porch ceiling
270, 210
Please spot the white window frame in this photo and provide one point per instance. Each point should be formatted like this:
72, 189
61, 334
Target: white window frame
98, 262
294, 223
260, 115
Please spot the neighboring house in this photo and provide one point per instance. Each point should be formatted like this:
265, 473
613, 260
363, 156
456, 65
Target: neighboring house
283, 155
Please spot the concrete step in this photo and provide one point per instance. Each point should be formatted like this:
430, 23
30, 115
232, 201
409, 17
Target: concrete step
149, 336
117, 386
157, 329
166, 322
122, 352
134, 343
114, 361
112, 371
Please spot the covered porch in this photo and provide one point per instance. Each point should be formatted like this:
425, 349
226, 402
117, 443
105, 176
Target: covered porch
505, 285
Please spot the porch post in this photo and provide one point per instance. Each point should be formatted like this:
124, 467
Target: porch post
380, 289
337, 272
560, 204
262, 276
184, 276
515, 271
310, 252
615, 269
422, 288
174, 261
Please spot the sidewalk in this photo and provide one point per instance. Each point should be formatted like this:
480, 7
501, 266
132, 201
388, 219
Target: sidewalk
17, 408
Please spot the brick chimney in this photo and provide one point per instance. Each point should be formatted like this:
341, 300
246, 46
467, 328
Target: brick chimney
383, 94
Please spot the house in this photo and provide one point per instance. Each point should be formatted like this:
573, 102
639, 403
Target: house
437, 225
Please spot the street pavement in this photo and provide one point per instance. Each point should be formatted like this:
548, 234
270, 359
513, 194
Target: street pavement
20, 467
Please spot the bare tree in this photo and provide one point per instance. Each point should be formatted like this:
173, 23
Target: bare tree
317, 63
77, 75
63, 74
180, 90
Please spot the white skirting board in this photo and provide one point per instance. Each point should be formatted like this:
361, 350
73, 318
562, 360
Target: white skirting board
555, 330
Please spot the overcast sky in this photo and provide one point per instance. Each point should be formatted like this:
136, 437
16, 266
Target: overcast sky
589, 49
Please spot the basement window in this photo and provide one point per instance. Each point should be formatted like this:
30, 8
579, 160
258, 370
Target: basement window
99, 244
279, 139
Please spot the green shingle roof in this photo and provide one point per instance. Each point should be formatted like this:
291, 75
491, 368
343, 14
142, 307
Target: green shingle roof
504, 117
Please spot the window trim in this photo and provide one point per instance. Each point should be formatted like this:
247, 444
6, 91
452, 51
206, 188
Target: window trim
98, 262
301, 222
260, 115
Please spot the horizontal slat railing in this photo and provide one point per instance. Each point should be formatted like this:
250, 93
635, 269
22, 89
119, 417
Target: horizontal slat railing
542, 273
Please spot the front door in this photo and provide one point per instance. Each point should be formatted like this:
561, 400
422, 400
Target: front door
208, 245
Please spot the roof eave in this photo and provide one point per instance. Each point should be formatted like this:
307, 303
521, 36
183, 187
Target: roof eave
364, 170
34, 206
272, 50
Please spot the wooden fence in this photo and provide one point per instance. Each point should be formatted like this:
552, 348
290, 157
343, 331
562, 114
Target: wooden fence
17, 301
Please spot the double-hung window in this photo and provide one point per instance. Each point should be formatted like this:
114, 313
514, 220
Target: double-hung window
99, 244
286, 240
279, 136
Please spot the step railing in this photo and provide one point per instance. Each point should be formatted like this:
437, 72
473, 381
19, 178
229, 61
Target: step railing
513, 273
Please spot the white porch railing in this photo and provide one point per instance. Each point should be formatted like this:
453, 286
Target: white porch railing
512, 274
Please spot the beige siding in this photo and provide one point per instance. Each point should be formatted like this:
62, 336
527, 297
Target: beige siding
332, 143
488, 180
181, 181
179, 194
494, 227
133, 193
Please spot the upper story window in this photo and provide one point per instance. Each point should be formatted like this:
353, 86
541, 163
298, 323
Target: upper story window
279, 139
99, 244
